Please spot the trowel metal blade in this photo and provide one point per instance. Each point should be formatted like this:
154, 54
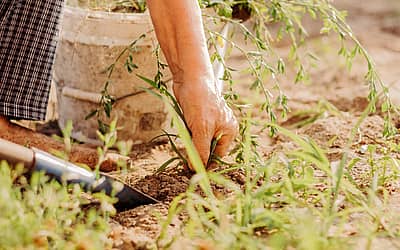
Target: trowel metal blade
128, 197
68, 172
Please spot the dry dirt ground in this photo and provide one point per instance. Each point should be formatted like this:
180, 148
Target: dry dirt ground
377, 25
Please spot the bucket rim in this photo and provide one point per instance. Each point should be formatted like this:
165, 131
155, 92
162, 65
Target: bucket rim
95, 14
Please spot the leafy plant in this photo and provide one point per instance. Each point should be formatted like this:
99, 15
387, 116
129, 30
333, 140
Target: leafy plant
107, 100
266, 64
37, 214
282, 204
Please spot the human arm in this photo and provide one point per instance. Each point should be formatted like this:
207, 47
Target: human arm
179, 29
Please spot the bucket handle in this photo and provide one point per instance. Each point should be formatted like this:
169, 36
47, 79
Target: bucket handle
81, 95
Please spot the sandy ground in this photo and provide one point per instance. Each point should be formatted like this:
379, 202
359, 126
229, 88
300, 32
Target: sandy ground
376, 23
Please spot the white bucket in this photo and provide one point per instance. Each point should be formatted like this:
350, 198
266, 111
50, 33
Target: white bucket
90, 41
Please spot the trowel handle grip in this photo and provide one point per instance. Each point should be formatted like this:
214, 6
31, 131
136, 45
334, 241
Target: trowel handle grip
14, 153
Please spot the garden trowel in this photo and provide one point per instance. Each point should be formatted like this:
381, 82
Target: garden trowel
66, 172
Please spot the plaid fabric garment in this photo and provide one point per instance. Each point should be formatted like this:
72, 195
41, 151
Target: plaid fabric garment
28, 33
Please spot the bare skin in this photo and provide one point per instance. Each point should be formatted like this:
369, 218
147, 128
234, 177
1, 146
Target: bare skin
179, 29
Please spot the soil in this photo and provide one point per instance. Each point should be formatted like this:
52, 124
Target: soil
166, 185
376, 23
78, 154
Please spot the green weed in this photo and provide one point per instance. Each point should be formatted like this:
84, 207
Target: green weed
38, 214
293, 199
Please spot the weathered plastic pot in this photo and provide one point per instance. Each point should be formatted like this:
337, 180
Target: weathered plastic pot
90, 41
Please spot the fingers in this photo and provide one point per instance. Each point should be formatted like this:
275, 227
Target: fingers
227, 135
202, 142
223, 145
204, 134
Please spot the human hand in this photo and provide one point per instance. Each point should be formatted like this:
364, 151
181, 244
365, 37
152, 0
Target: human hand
207, 116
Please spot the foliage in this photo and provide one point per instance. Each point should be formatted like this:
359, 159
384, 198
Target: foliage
107, 100
295, 199
266, 64
37, 214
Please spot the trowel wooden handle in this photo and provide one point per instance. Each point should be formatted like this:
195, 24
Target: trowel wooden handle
14, 153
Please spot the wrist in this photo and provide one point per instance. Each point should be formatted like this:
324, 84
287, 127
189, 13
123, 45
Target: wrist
193, 72
194, 79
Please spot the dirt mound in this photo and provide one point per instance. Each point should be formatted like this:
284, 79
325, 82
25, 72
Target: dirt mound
165, 186
356, 104
331, 130
335, 131
138, 228
144, 217
372, 129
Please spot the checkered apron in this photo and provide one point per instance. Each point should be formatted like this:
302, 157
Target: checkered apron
28, 33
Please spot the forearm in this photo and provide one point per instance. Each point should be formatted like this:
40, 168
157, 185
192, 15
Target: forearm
179, 29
